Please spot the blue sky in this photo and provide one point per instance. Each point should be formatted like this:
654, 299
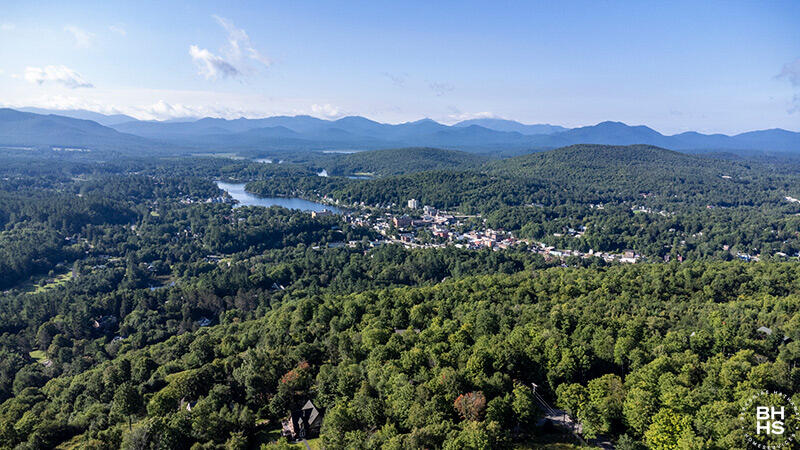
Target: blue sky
708, 66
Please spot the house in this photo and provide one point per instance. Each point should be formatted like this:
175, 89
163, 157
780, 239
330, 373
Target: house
104, 323
413, 204
323, 213
765, 332
302, 423
186, 404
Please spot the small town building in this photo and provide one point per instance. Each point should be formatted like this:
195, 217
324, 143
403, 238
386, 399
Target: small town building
401, 222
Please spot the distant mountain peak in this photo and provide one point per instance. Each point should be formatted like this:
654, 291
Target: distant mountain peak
425, 120
505, 125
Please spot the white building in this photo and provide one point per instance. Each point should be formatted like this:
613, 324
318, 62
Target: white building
413, 204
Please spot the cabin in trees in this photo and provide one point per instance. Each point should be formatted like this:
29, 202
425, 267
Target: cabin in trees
302, 423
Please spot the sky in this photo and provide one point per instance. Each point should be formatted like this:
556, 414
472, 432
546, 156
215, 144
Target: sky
714, 67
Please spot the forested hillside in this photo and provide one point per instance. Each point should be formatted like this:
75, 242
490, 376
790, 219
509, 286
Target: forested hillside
400, 161
646, 352
133, 288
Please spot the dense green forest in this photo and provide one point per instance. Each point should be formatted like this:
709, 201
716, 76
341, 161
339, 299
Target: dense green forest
131, 287
400, 161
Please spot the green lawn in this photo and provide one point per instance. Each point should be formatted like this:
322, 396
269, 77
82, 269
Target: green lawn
552, 440
52, 283
38, 355
269, 436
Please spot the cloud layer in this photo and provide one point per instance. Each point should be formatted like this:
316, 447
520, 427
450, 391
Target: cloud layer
326, 110
56, 74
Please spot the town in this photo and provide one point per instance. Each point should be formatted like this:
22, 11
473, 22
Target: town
424, 226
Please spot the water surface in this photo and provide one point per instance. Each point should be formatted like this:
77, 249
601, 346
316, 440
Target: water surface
236, 190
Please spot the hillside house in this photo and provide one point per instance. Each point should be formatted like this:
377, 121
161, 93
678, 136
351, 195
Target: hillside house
302, 423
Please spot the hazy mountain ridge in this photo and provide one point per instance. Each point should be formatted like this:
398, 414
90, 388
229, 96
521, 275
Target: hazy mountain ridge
512, 126
29, 129
485, 132
306, 132
102, 119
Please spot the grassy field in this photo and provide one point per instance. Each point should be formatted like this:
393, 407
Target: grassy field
38, 355
50, 283
554, 440
269, 436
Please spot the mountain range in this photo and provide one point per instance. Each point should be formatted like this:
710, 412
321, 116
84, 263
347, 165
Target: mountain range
102, 119
89, 129
24, 129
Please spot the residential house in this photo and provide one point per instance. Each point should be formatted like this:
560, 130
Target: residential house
302, 423
323, 213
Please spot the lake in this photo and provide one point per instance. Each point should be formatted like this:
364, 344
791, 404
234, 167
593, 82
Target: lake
236, 190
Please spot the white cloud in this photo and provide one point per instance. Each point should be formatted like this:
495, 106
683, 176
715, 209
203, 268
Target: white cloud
82, 37
162, 110
118, 29
397, 79
235, 54
458, 116
7, 26
440, 88
791, 72
795, 107
210, 65
239, 42
56, 74
325, 110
